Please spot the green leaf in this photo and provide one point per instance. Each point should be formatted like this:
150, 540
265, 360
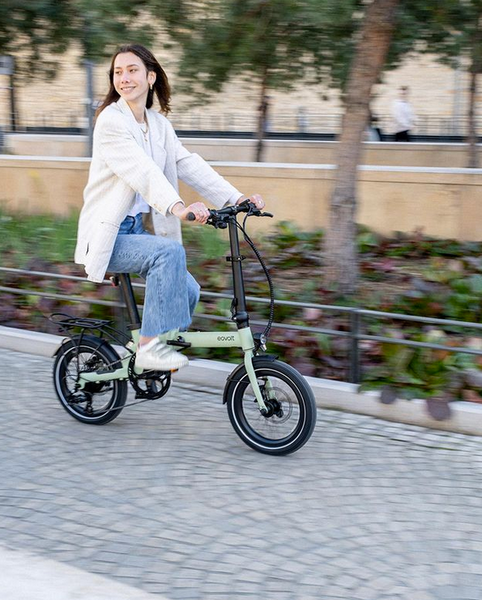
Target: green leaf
476, 284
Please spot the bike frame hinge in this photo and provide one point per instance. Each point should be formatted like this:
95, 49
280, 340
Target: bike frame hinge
235, 258
241, 318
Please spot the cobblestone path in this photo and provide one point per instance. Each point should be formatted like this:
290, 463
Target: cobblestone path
167, 499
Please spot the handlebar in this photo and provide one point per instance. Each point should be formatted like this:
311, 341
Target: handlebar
220, 217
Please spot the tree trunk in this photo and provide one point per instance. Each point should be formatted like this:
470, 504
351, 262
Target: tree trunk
341, 261
475, 69
262, 118
472, 124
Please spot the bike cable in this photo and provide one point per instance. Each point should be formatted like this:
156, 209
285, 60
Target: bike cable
251, 244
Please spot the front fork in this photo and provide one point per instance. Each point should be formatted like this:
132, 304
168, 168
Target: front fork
253, 380
242, 338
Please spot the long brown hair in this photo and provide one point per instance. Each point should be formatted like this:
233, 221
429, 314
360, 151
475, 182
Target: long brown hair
160, 87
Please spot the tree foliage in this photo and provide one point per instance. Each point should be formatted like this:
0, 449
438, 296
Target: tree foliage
100, 26
281, 41
30, 29
453, 31
272, 43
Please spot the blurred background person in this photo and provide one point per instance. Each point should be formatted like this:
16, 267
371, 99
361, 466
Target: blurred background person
403, 116
373, 133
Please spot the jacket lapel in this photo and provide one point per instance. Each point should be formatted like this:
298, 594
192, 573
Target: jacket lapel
156, 138
155, 133
133, 125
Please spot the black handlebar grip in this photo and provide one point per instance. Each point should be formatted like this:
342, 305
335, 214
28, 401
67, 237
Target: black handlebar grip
191, 216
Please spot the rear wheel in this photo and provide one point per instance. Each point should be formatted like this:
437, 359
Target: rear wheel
291, 409
96, 403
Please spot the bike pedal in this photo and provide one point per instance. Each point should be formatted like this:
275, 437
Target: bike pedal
179, 342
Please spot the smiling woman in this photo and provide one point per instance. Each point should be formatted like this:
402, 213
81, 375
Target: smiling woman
131, 83
135, 67
136, 162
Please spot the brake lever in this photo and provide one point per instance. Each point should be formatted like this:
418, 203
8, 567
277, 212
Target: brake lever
257, 213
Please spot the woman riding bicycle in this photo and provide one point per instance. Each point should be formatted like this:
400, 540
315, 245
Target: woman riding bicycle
137, 160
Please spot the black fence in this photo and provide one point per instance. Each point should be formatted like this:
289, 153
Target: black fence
309, 125
355, 335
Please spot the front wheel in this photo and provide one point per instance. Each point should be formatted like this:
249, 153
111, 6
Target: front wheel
291, 415
97, 403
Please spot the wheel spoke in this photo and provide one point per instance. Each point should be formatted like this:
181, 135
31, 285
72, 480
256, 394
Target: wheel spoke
94, 403
290, 408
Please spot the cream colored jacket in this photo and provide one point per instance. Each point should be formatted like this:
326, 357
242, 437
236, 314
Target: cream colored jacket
120, 168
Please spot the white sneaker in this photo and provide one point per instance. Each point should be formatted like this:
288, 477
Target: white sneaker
159, 357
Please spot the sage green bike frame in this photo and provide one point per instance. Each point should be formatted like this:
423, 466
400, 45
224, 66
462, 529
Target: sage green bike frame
242, 338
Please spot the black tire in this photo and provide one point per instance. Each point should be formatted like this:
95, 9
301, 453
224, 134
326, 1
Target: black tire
101, 402
292, 411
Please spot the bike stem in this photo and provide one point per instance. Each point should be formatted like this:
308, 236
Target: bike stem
239, 311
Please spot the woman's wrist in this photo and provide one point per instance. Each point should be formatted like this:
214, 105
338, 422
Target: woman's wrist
177, 209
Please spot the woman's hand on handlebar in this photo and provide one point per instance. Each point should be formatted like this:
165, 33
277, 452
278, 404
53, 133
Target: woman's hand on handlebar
198, 209
254, 199
200, 213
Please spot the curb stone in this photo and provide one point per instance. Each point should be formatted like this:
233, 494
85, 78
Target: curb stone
466, 416
28, 576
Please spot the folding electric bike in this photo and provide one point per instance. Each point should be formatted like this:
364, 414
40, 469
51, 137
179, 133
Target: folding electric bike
270, 405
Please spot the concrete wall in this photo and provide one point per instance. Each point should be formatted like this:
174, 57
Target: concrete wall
323, 153
30, 144
444, 202
39, 185
278, 151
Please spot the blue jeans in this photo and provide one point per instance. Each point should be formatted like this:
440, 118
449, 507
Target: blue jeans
171, 292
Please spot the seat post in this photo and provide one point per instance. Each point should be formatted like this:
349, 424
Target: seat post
127, 293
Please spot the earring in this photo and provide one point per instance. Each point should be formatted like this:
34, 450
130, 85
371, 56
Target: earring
150, 86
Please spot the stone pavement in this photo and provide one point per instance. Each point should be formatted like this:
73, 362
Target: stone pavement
166, 499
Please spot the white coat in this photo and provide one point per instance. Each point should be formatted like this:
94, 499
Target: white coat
120, 168
403, 116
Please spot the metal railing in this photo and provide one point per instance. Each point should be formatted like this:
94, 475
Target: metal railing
355, 315
308, 122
